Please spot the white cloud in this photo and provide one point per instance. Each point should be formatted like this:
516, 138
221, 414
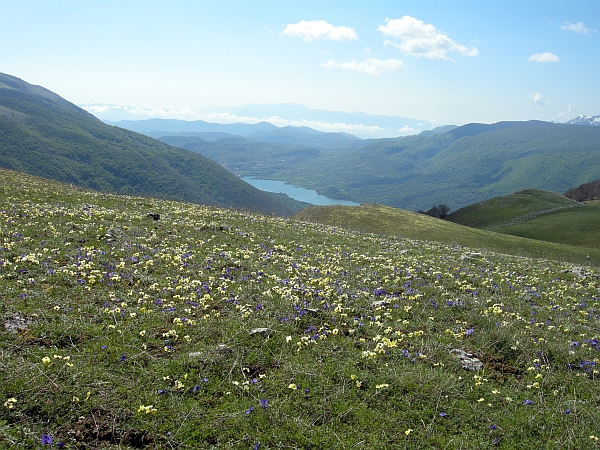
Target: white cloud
577, 28
311, 30
543, 58
539, 99
421, 39
408, 129
98, 109
370, 66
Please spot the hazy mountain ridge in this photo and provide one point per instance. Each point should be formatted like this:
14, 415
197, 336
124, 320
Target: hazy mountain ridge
45, 135
364, 125
261, 132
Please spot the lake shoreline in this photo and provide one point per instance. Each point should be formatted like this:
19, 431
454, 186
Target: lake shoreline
297, 193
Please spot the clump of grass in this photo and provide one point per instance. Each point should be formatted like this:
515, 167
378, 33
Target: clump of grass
121, 331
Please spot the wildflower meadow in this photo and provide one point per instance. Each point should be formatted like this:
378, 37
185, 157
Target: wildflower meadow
128, 322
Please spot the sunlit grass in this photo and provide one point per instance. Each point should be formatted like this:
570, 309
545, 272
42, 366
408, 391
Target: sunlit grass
390, 221
211, 328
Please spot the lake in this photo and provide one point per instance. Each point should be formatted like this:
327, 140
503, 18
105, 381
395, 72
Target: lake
301, 194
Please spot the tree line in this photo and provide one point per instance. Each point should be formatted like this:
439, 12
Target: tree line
585, 191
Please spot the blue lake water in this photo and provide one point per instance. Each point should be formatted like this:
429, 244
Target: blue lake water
301, 194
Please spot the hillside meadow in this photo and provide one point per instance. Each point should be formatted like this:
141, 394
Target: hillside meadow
385, 220
539, 215
128, 322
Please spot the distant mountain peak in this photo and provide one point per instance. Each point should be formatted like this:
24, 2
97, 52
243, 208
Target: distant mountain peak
585, 120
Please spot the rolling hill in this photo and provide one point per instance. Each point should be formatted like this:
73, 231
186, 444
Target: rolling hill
45, 135
385, 220
536, 214
517, 207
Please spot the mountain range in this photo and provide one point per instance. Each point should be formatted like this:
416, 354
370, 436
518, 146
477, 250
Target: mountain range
44, 135
363, 125
260, 132
585, 120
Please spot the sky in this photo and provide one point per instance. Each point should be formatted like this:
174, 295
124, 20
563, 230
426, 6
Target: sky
441, 62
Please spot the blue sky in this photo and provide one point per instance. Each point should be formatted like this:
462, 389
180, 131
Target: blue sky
446, 61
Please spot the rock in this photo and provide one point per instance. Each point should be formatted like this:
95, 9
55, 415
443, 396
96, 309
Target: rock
470, 256
380, 303
18, 323
468, 361
581, 272
223, 349
265, 332
113, 234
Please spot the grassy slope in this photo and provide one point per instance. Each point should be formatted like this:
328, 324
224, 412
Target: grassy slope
500, 211
121, 332
44, 135
396, 222
578, 226
534, 214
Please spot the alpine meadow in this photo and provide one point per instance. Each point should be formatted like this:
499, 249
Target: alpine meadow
299, 225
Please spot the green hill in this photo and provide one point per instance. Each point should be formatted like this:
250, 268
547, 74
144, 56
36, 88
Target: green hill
578, 226
535, 214
43, 134
519, 206
214, 328
379, 219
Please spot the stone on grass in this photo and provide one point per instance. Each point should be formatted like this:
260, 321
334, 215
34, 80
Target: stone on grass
265, 332
380, 303
467, 360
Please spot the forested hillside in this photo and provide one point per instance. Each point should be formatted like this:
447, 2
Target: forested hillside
45, 135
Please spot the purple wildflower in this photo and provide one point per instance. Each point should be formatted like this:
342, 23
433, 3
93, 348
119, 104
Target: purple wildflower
263, 402
528, 402
46, 439
249, 410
